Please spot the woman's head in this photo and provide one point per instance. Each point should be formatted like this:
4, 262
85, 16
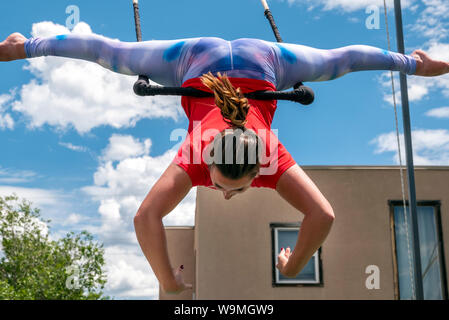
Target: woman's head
235, 151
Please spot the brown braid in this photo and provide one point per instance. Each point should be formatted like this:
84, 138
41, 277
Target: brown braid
232, 103
240, 142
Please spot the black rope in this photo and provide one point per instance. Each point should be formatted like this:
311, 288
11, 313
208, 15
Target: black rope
277, 35
137, 21
275, 29
142, 87
142, 79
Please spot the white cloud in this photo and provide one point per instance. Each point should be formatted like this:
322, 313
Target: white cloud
347, 5
16, 176
418, 88
430, 147
439, 113
68, 93
354, 20
125, 175
74, 219
433, 22
129, 275
72, 147
4, 99
6, 121
434, 25
438, 50
123, 147
39, 197
56, 205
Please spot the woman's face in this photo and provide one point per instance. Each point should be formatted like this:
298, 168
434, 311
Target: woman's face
228, 186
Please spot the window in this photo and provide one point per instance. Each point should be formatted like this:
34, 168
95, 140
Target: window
430, 244
283, 236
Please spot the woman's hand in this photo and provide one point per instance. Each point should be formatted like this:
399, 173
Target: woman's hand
179, 286
283, 257
427, 67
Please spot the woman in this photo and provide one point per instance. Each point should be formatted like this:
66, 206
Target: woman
223, 149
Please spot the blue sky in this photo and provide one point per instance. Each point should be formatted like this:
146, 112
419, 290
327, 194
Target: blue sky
87, 154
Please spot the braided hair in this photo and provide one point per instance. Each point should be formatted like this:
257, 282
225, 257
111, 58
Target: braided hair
235, 150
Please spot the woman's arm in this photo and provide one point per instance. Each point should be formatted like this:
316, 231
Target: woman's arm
298, 190
169, 190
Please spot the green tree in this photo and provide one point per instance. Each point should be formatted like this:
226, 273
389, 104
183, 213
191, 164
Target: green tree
33, 266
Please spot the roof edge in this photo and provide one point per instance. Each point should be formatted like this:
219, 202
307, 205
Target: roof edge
365, 167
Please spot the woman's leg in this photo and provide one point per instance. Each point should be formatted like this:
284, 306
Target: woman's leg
161, 60
300, 191
296, 63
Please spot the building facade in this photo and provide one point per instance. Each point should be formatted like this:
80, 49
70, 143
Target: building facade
231, 251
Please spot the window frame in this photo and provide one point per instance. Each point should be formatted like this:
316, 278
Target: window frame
275, 227
436, 204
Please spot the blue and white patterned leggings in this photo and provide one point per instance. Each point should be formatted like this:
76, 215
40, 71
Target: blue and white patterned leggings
171, 62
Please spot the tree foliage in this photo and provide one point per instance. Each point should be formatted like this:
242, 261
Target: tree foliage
35, 266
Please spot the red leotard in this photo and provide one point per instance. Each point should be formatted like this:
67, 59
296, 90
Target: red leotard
204, 115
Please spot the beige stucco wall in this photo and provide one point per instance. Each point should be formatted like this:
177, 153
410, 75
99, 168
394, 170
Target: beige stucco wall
233, 238
180, 245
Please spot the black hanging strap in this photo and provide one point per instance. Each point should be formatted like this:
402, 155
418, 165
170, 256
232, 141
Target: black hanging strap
277, 35
143, 80
275, 29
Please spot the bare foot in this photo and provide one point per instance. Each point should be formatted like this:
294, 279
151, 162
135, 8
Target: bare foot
13, 47
427, 67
